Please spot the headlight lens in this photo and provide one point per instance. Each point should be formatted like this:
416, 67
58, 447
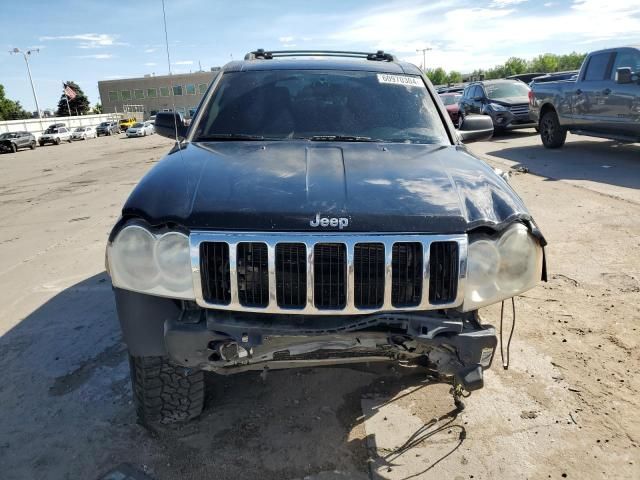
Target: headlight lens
148, 263
501, 268
497, 107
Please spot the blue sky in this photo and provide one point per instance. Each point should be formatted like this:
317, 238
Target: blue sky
87, 41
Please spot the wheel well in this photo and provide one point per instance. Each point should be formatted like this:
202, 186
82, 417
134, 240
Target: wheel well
547, 107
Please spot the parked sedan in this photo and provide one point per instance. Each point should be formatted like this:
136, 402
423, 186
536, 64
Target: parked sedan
82, 133
13, 141
450, 101
140, 130
55, 135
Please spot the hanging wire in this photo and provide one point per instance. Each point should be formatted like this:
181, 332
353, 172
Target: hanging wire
505, 365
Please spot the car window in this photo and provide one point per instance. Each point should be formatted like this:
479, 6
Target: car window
62, 130
506, 89
597, 67
450, 99
306, 103
80, 129
476, 92
626, 58
138, 125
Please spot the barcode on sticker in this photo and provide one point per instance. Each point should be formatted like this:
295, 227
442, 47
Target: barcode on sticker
405, 80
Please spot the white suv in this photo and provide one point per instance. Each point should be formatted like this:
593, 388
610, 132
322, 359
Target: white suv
55, 136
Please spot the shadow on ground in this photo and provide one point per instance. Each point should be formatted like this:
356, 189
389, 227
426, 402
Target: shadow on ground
597, 161
67, 409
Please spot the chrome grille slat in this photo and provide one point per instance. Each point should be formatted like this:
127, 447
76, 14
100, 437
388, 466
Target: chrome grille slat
310, 241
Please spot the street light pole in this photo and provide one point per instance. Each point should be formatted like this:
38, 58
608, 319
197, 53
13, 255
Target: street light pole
424, 57
26, 60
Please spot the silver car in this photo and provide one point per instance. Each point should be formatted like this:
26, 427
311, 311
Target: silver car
140, 129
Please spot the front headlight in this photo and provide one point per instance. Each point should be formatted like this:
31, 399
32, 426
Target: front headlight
154, 264
499, 268
497, 107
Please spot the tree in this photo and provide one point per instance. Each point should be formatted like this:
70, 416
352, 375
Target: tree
515, 66
545, 63
9, 109
571, 61
437, 76
78, 105
97, 108
454, 77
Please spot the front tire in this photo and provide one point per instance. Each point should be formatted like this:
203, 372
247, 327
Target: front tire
14, 148
32, 145
57, 141
553, 135
165, 392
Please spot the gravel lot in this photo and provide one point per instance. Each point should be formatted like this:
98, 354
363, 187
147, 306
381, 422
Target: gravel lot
568, 406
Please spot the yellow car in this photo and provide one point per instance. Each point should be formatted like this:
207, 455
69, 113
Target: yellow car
126, 123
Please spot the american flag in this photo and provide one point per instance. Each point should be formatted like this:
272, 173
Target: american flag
69, 92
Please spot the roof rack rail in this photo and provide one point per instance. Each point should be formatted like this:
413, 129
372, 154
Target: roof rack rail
262, 54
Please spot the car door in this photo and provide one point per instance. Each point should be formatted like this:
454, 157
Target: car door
623, 101
590, 104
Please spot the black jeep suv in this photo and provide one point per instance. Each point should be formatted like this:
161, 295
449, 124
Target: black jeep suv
316, 211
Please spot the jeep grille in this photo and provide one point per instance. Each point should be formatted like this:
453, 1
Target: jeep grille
327, 274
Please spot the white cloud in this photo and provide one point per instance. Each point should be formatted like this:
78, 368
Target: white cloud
149, 50
150, 64
505, 3
97, 56
286, 39
548, 4
184, 62
88, 40
480, 40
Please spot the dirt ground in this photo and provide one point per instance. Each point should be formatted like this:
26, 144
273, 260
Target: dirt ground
568, 407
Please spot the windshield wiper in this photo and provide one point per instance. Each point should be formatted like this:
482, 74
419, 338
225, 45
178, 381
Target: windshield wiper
340, 138
232, 137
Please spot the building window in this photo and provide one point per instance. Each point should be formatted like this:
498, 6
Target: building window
138, 93
164, 91
125, 94
191, 89
177, 90
113, 96
152, 92
202, 88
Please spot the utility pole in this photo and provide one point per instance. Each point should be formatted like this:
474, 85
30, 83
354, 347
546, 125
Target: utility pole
424, 56
15, 51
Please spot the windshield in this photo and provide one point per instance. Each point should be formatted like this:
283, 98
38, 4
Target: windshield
450, 99
137, 125
51, 130
80, 129
506, 89
321, 105
5, 135
104, 124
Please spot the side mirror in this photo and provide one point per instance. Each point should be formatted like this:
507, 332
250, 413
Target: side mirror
624, 75
476, 128
170, 125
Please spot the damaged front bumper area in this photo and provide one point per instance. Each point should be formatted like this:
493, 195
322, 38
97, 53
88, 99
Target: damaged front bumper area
452, 344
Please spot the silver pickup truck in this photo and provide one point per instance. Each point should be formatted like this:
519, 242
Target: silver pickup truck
603, 101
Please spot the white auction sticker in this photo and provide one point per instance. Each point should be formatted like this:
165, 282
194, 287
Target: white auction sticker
405, 80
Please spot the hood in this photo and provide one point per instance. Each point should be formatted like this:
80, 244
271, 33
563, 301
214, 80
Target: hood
284, 186
507, 101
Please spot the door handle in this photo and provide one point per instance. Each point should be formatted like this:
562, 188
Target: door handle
606, 91
578, 92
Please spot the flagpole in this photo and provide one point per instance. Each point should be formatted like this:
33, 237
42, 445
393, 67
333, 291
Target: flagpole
64, 89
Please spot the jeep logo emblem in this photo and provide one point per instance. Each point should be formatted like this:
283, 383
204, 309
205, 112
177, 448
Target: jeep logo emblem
339, 222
